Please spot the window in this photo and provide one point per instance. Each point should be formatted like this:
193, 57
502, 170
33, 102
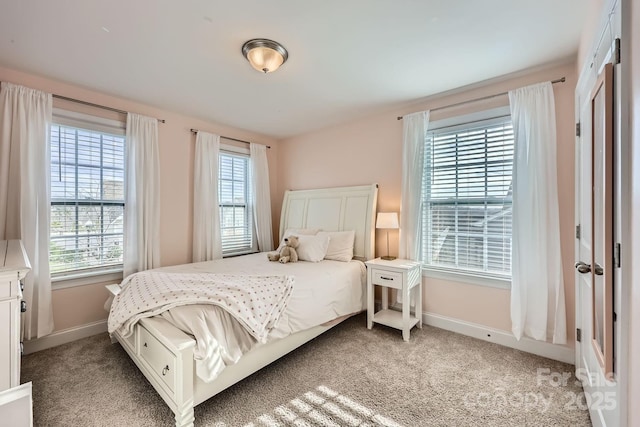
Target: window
236, 226
87, 199
466, 198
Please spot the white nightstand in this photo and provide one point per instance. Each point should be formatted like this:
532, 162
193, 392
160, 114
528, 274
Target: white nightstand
400, 274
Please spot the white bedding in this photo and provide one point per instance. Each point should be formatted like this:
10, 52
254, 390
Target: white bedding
256, 302
322, 291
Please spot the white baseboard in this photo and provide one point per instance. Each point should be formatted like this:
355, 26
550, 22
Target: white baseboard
505, 338
540, 348
65, 336
544, 349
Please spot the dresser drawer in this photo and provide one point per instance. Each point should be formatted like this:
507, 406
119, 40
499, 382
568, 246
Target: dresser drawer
5, 290
157, 357
10, 289
386, 278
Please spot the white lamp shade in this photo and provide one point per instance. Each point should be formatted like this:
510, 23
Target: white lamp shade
265, 59
387, 220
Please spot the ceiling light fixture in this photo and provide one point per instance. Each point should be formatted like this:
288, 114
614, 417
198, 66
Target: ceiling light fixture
265, 55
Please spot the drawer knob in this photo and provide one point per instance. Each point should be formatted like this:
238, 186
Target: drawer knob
145, 345
23, 306
165, 370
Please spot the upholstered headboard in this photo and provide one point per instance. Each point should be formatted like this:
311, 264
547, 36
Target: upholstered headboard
334, 209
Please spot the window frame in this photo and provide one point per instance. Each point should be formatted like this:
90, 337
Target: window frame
233, 151
97, 274
468, 276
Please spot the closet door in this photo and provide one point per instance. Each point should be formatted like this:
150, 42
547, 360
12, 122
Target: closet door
594, 266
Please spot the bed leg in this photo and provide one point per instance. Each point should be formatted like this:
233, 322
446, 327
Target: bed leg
185, 417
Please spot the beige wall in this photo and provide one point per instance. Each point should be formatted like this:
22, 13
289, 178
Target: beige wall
360, 152
370, 150
84, 304
590, 30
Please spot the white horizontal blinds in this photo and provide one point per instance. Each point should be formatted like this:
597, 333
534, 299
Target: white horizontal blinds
235, 214
467, 197
87, 199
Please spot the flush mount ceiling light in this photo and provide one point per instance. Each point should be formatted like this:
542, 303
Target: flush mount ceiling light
265, 55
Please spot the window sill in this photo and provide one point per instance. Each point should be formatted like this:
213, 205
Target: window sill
466, 277
235, 254
73, 280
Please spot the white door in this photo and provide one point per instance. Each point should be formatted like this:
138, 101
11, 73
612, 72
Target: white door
594, 253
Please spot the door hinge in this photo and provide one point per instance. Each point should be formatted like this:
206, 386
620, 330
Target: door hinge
578, 334
577, 129
616, 255
616, 52
578, 231
615, 317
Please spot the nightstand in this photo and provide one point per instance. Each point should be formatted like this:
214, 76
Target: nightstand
406, 277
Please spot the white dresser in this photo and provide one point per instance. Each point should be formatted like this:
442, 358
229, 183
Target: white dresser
14, 266
15, 400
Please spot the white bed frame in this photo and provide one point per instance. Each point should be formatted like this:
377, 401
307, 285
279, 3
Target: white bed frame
164, 353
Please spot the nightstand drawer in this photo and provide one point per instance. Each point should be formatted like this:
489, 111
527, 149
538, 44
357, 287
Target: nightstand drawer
386, 278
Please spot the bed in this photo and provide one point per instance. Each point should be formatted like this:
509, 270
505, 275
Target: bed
171, 359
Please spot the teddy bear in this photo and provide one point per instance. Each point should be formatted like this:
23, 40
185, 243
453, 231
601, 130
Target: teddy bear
287, 253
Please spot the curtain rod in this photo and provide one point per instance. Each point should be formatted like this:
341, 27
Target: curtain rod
560, 80
228, 137
91, 104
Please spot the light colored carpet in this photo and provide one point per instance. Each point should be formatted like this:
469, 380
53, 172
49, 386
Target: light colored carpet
349, 376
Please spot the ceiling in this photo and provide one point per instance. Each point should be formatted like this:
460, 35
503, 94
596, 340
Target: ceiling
347, 58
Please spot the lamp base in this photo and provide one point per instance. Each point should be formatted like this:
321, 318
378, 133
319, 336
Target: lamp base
388, 258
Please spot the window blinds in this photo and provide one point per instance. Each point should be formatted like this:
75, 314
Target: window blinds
467, 197
235, 214
87, 199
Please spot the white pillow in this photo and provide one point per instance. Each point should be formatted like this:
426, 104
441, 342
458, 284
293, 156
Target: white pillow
296, 232
340, 244
312, 248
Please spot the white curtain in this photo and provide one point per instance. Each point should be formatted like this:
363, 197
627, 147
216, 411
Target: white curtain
207, 241
537, 289
414, 129
261, 197
25, 201
142, 195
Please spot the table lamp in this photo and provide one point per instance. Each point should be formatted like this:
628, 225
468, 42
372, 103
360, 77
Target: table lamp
387, 220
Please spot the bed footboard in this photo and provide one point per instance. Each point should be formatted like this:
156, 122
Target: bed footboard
164, 354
